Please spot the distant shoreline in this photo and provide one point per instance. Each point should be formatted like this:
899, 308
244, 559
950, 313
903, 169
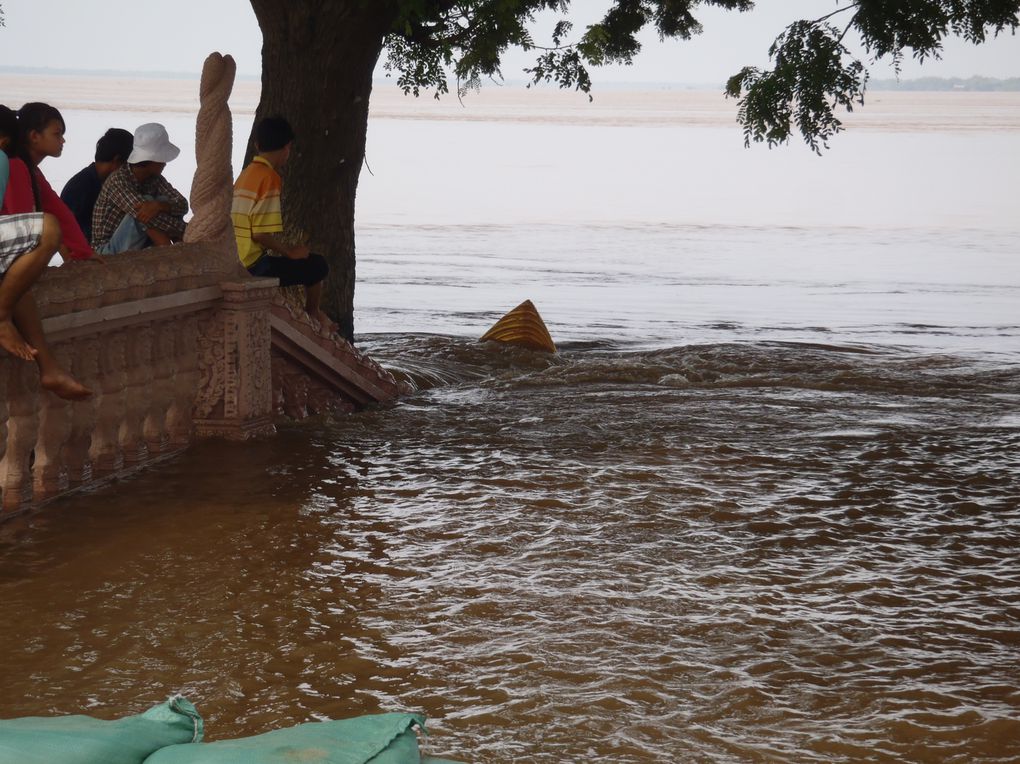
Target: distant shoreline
973, 84
45, 71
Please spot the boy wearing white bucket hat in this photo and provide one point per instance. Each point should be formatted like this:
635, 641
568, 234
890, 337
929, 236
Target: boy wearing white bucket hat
137, 206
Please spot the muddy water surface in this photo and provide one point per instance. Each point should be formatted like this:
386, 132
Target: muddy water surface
725, 553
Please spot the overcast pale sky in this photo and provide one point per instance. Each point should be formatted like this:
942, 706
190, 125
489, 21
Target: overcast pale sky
143, 35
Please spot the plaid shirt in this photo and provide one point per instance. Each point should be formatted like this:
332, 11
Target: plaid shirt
122, 193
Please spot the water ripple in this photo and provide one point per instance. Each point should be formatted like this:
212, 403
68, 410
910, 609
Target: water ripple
805, 554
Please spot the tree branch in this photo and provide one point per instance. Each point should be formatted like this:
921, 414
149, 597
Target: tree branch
828, 16
849, 24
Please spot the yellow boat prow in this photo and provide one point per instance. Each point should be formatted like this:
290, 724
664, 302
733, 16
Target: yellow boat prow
522, 326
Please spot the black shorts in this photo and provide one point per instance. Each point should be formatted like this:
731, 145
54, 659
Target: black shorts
309, 271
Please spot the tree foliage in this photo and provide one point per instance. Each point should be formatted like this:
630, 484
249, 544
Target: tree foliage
812, 76
813, 73
470, 37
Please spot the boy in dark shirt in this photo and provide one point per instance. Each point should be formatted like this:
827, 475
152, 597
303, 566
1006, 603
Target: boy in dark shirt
81, 191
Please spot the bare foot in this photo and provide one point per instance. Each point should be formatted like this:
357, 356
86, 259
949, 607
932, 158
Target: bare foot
12, 341
63, 385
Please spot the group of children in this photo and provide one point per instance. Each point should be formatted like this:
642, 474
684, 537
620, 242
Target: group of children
120, 203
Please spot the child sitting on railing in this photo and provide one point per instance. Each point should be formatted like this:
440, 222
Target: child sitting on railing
27, 242
40, 135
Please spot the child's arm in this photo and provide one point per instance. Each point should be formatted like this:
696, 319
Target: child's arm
74, 240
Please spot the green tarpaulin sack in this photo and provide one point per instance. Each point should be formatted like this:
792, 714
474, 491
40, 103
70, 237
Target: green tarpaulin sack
380, 739
84, 740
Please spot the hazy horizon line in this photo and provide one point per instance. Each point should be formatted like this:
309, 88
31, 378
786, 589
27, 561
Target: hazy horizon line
597, 85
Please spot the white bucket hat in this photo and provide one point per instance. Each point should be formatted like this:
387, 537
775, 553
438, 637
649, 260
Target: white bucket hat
152, 144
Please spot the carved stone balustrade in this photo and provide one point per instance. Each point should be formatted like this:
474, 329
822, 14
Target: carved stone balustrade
315, 371
176, 343
130, 331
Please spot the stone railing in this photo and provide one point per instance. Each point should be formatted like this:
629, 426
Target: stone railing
145, 332
176, 343
315, 371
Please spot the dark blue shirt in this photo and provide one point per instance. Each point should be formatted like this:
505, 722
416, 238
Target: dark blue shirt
80, 194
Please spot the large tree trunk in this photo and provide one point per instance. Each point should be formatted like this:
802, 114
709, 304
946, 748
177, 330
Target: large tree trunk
318, 57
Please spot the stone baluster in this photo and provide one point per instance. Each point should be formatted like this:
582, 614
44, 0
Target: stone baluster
22, 428
49, 475
179, 419
161, 391
83, 413
137, 389
105, 451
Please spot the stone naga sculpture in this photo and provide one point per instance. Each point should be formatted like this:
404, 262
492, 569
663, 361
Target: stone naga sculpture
212, 187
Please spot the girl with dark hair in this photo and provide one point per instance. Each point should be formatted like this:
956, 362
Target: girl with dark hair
27, 242
41, 135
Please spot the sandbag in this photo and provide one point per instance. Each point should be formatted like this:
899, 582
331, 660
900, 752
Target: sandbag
84, 740
379, 739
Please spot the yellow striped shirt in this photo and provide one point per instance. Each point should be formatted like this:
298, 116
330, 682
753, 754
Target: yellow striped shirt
256, 208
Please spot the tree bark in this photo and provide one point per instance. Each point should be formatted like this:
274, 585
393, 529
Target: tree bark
318, 57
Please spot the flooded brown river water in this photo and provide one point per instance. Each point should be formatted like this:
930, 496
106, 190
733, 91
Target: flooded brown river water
796, 554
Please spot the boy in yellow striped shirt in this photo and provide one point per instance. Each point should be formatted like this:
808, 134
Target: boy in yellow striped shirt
258, 221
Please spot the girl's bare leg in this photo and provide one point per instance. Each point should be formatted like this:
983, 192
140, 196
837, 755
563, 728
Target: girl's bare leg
52, 376
12, 341
20, 277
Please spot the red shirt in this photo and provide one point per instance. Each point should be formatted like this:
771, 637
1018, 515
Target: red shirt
19, 199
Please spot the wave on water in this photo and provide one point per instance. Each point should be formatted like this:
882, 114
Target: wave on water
717, 551
430, 361
720, 552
